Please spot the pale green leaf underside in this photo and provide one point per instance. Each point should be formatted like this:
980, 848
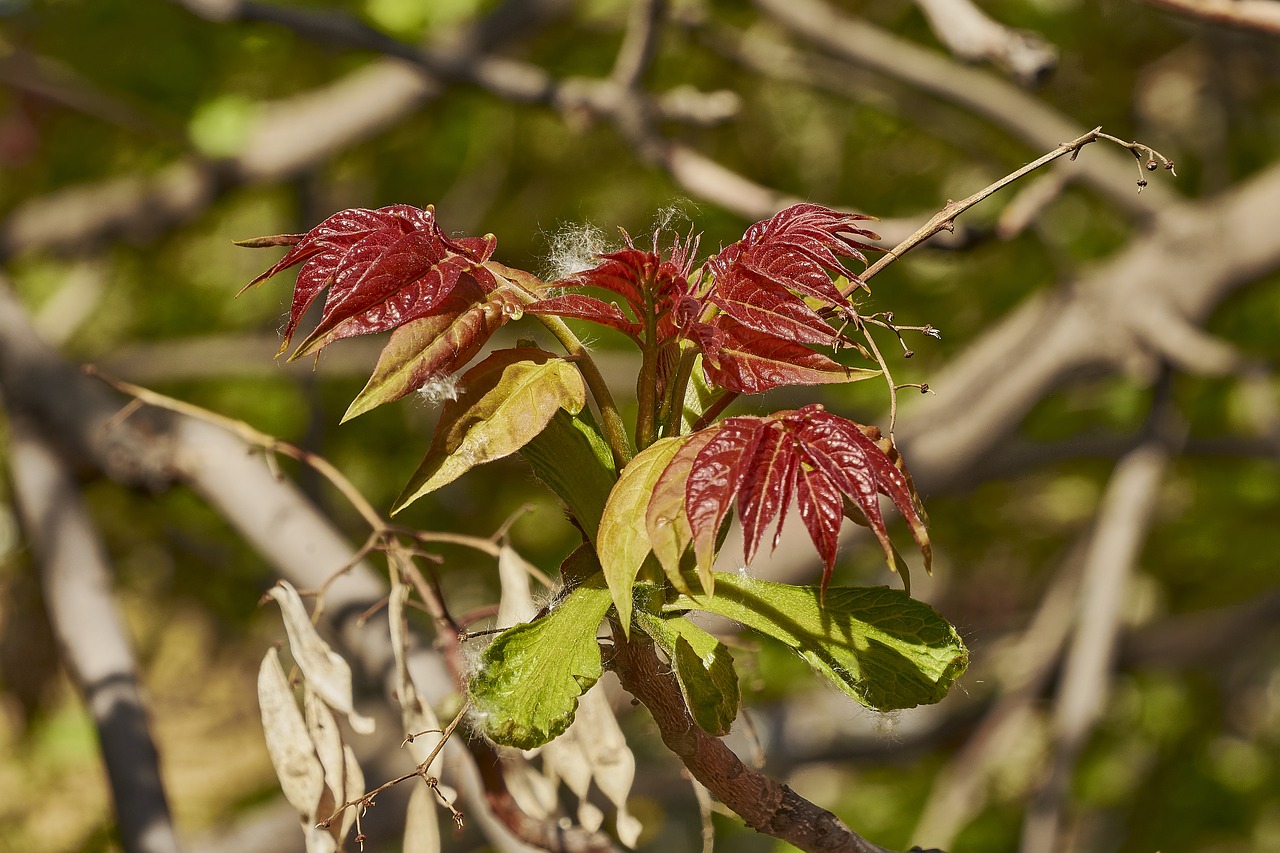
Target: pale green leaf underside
878, 645
703, 667
574, 461
525, 691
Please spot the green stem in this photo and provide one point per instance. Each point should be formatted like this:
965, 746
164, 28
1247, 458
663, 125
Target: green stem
647, 381
615, 432
673, 405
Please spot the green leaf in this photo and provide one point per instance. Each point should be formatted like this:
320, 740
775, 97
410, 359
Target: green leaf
573, 460
624, 540
506, 400
525, 691
878, 645
703, 667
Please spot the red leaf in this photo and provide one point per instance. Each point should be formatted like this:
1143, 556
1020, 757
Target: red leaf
762, 463
586, 308
750, 361
797, 249
645, 280
761, 304
766, 491
821, 511
383, 268
714, 481
434, 346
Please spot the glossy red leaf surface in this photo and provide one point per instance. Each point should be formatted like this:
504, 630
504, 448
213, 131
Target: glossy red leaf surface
647, 281
810, 456
798, 249
750, 361
584, 307
768, 288
382, 268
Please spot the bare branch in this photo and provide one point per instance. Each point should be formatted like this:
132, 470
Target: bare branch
77, 584
1261, 16
972, 35
1124, 517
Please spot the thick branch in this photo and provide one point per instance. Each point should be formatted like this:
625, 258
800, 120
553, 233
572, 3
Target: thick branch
1255, 15
765, 805
77, 589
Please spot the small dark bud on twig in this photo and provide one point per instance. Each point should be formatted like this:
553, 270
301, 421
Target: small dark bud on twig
1152, 165
924, 387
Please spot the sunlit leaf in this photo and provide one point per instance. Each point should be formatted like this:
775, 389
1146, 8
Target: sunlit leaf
623, 542
526, 686
505, 401
751, 362
762, 464
383, 268
587, 308
878, 645
434, 346
666, 521
703, 668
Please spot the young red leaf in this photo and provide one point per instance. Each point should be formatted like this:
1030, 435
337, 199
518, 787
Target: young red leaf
586, 308
766, 490
649, 283
749, 361
766, 306
383, 268
666, 521
797, 249
715, 479
810, 455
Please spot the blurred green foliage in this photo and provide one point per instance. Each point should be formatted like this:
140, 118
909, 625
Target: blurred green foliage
1187, 759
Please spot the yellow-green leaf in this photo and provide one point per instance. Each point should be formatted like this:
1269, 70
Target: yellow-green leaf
623, 541
504, 402
703, 668
526, 687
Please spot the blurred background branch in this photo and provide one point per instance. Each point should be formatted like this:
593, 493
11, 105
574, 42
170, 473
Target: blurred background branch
138, 139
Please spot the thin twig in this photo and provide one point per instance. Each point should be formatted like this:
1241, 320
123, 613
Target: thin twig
944, 219
366, 799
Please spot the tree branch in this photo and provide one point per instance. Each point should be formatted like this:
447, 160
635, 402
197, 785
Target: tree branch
76, 579
763, 804
1124, 517
972, 35
1262, 16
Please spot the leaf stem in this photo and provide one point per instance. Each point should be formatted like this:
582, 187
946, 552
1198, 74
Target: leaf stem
647, 381
884, 368
673, 405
